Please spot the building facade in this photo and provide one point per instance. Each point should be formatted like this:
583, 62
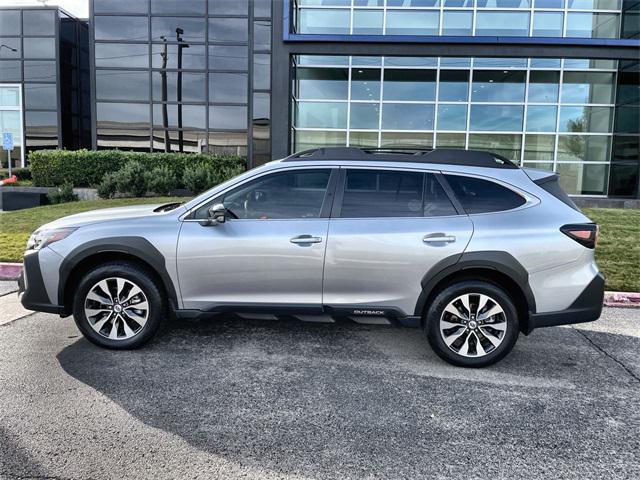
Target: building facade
44, 80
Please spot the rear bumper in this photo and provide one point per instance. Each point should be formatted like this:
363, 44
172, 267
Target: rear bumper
586, 308
31, 289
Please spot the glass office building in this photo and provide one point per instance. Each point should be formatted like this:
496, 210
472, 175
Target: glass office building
44, 80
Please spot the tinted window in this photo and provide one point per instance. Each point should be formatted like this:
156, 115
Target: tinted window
379, 193
482, 196
38, 22
294, 194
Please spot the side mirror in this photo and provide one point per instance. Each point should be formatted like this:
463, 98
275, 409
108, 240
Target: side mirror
216, 214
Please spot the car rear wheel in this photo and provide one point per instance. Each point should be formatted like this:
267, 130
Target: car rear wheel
472, 324
118, 305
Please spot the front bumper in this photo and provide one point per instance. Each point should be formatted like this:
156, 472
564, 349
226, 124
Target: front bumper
586, 308
31, 289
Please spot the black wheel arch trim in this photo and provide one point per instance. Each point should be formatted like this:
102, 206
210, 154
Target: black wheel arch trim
501, 262
33, 293
137, 247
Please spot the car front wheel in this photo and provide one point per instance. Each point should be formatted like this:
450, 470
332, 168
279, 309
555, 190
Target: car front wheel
472, 324
118, 305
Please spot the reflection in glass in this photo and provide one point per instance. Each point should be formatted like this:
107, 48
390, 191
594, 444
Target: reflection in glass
122, 85
193, 117
322, 83
324, 21
262, 35
228, 143
193, 57
230, 7
628, 119
365, 115
539, 165
454, 86
39, 47
403, 116
457, 23
450, 140
121, 28
129, 115
262, 71
409, 85
193, 87
507, 145
367, 22
583, 148
182, 7
588, 87
304, 140
412, 22
228, 57
586, 119
503, 3
363, 139
498, 86
583, 179
366, 61
10, 47
365, 84
593, 25
10, 71
544, 86
10, 22
541, 118
452, 117
411, 61
545, 63
228, 87
10, 123
179, 141
261, 108
547, 24
497, 62
496, 118
511, 24
193, 28
39, 71
549, 4
321, 115
323, 60
38, 22
121, 6
127, 55
9, 96
41, 129
41, 96
228, 30
123, 139
539, 147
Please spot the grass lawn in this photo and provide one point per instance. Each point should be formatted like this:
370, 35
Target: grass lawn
618, 251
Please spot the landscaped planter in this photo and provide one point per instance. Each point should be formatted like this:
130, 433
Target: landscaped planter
17, 198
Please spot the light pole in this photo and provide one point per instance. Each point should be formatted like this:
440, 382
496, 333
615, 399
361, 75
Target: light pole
165, 115
181, 45
14, 50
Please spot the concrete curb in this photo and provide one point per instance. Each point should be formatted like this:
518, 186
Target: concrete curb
11, 271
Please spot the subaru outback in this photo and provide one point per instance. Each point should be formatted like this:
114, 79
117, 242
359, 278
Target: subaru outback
465, 245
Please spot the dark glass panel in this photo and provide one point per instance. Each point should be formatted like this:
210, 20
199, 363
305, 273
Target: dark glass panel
192, 57
262, 8
586, 119
123, 139
8, 45
181, 7
10, 22
10, 71
227, 117
365, 84
193, 87
40, 96
628, 88
261, 108
192, 141
41, 129
588, 87
623, 180
228, 57
498, 86
262, 71
628, 119
40, 71
483, 196
227, 143
38, 22
583, 178
39, 47
121, 6
409, 85
626, 148
193, 28
228, 87
450, 140
131, 55
120, 85
121, 28
454, 86
582, 148
262, 35
229, 7
194, 117
228, 30
544, 86
129, 115
322, 83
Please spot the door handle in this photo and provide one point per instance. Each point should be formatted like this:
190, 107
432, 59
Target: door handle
305, 239
438, 238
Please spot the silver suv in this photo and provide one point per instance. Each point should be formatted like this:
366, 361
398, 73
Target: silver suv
463, 244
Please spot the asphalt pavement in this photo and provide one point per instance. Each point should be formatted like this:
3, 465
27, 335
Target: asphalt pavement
283, 399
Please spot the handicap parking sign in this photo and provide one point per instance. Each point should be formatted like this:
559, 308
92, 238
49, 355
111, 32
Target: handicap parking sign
7, 141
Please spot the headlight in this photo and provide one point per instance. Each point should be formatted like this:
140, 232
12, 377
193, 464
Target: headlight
41, 238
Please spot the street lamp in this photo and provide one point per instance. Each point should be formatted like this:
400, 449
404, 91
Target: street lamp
181, 45
165, 114
14, 50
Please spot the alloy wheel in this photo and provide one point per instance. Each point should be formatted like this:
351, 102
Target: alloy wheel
116, 308
473, 325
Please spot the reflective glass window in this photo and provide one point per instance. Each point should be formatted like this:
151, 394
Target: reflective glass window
454, 86
366, 61
322, 83
496, 118
261, 106
193, 87
228, 30
230, 7
628, 119
324, 21
595, 4
545, 63
539, 147
123, 138
593, 25
38, 22
507, 145
411, 61
129, 55
11, 47
407, 139
457, 23
588, 87
541, 118
363, 139
40, 71
121, 6
9, 96
412, 22
549, 3
10, 123
586, 119
318, 138
547, 24
413, 3
512, 24
497, 62
450, 140
321, 115
399, 116
262, 35
40, 96
457, 3
262, 8
39, 47
121, 85
452, 117
193, 116
365, 115
228, 117
503, 3
193, 58
129, 115
228, 57
544, 86
409, 85
367, 22
262, 71
10, 22
365, 84
121, 28
183, 7
583, 179
193, 28
10, 71
584, 148
498, 86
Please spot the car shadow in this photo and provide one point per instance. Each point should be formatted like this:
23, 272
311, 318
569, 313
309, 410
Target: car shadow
340, 400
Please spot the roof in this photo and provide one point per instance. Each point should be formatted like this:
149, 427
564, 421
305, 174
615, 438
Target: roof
472, 158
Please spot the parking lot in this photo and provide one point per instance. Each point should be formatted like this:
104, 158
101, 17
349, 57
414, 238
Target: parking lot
283, 399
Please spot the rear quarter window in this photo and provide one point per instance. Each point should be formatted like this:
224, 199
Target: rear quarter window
483, 196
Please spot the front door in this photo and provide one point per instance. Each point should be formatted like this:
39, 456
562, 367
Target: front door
269, 251
388, 228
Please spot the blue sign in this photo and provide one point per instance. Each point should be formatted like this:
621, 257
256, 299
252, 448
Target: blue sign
7, 141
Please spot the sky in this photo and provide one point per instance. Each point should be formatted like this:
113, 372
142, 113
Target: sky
79, 8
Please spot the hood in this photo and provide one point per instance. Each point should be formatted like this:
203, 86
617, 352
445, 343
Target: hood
103, 215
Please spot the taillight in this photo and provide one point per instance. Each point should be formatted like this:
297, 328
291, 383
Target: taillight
584, 233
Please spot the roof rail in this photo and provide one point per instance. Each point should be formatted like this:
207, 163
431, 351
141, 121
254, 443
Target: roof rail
473, 158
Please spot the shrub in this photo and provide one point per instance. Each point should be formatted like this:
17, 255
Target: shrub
20, 173
161, 180
62, 194
86, 168
108, 186
197, 178
132, 179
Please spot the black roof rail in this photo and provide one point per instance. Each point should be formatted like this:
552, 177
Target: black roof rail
474, 158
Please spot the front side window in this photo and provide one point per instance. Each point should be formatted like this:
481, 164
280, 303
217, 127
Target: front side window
278, 196
387, 193
483, 196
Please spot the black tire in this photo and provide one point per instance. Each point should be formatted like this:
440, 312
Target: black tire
449, 294
144, 279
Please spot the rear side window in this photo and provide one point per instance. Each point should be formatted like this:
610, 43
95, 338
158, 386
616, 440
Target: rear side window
483, 196
387, 193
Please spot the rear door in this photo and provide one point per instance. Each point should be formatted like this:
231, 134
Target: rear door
388, 228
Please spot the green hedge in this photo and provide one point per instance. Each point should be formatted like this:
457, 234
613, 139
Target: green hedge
86, 168
20, 173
